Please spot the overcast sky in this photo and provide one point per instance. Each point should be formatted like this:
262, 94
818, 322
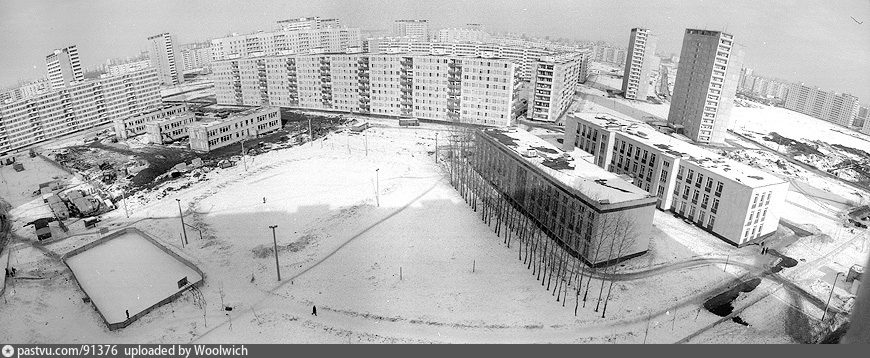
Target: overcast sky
812, 41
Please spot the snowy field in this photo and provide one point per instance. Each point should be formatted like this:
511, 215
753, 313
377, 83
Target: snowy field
796, 126
128, 273
370, 232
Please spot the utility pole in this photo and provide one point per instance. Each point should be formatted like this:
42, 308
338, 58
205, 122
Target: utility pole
377, 188
181, 215
834, 285
366, 137
310, 136
275, 245
436, 147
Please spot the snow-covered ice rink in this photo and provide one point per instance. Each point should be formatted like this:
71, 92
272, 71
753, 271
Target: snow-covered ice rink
128, 273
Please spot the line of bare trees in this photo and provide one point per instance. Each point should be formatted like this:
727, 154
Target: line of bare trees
557, 265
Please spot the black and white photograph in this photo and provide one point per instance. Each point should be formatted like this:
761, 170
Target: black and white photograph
203, 177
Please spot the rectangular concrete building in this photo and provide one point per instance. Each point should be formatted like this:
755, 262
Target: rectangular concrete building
554, 82
731, 200
165, 57
168, 129
212, 132
463, 89
126, 127
639, 64
577, 204
705, 86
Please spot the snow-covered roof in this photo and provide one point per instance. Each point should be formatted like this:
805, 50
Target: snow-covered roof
570, 169
715, 163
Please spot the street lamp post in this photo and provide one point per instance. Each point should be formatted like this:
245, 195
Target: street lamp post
310, 136
833, 285
377, 188
181, 215
275, 243
436, 147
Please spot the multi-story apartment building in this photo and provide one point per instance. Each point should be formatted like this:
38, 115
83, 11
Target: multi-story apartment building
609, 54
292, 40
418, 29
133, 66
524, 54
705, 86
163, 54
209, 133
837, 108
554, 82
862, 117
733, 201
307, 23
575, 202
168, 129
865, 128
76, 107
464, 89
196, 56
462, 34
131, 126
25, 90
64, 67
639, 64
745, 75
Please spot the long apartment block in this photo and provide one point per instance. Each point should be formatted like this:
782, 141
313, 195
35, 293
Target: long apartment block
731, 200
211, 132
286, 40
126, 127
76, 107
554, 82
586, 209
837, 108
464, 89
525, 53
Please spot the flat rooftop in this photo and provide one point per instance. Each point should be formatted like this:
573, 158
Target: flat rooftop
586, 178
689, 152
220, 116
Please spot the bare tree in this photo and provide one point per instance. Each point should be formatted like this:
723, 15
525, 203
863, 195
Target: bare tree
626, 234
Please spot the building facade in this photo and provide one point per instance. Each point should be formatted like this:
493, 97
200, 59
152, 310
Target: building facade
307, 23
733, 201
461, 89
164, 56
25, 90
210, 133
64, 67
576, 203
639, 64
292, 40
554, 82
462, 34
609, 54
418, 29
76, 107
523, 53
837, 108
168, 129
705, 86
196, 56
122, 68
131, 126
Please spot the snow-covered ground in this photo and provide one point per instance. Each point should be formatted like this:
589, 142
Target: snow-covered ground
796, 126
370, 232
128, 273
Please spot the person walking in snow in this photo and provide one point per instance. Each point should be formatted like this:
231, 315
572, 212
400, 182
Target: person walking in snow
264, 200
314, 310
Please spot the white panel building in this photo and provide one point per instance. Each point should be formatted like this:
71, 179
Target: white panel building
210, 133
462, 89
731, 200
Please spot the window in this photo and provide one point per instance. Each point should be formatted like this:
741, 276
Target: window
689, 177
710, 223
719, 186
694, 197
715, 206
709, 185
705, 201
699, 181
686, 193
